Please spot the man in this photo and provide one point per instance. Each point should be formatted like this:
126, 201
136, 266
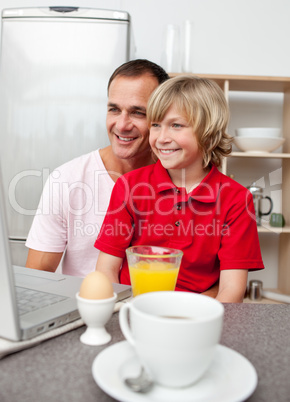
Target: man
76, 195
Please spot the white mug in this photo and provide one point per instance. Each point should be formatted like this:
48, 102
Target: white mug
174, 334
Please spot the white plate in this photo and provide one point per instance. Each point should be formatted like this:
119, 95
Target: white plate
231, 378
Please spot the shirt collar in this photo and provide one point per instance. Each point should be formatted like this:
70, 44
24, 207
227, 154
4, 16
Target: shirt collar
161, 178
207, 191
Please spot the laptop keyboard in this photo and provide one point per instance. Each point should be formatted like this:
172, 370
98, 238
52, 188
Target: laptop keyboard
29, 300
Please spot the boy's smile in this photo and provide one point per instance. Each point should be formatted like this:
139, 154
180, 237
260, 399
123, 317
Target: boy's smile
167, 151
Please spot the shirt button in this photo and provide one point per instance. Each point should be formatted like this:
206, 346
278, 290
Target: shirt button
177, 223
178, 207
178, 191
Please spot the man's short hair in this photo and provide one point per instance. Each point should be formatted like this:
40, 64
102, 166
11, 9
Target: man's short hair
138, 67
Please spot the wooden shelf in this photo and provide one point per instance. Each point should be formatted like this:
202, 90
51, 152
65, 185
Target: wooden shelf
272, 155
267, 300
248, 83
266, 228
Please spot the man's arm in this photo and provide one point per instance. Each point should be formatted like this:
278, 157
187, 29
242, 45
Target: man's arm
42, 260
109, 265
232, 285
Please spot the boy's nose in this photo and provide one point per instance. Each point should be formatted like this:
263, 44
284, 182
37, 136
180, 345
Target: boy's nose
163, 136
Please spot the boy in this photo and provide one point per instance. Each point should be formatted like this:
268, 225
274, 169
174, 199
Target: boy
183, 201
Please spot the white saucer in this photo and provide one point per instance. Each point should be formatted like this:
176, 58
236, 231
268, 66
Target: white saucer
231, 378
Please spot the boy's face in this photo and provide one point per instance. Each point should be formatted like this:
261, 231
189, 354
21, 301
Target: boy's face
174, 142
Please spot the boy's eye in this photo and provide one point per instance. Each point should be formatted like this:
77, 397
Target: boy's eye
176, 125
155, 125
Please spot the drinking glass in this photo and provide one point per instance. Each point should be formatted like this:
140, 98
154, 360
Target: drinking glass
153, 268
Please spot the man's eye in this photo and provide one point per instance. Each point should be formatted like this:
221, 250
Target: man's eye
112, 109
139, 113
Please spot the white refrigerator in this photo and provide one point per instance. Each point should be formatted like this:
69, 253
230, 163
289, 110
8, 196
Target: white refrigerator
54, 67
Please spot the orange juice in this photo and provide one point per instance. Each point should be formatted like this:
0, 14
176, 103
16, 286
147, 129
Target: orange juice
152, 276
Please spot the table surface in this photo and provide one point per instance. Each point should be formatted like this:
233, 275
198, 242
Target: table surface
60, 369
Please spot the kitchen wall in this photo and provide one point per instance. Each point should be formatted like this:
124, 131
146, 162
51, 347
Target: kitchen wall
229, 36
246, 37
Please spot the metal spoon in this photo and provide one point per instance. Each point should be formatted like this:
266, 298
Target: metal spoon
142, 383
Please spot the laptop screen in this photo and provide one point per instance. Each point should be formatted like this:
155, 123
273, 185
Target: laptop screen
9, 322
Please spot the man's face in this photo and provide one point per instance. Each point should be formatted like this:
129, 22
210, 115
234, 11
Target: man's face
126, 115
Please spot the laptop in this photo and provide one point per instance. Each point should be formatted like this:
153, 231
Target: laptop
19, 283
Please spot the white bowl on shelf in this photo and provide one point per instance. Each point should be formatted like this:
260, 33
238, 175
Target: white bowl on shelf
259, 132
258, 144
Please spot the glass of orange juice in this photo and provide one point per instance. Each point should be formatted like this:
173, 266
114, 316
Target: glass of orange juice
153, 268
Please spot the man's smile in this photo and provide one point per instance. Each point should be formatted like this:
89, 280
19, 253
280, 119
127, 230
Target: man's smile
126, 139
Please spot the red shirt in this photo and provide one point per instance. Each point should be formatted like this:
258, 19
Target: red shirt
214, 225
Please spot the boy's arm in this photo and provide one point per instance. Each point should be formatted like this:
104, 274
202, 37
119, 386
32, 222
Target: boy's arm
109, 265
213, 291
232, 285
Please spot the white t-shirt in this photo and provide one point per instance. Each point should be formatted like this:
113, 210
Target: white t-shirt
71, 211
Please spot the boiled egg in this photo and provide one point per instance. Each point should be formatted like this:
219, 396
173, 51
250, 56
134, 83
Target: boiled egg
96, 286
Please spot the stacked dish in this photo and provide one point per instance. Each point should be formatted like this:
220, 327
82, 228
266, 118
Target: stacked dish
258, 139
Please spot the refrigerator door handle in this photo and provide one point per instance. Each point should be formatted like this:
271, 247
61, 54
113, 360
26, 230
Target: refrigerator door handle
63, 9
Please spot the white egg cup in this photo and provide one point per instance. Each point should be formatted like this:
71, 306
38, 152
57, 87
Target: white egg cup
96, 314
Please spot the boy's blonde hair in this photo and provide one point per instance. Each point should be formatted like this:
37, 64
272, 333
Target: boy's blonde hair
202, 103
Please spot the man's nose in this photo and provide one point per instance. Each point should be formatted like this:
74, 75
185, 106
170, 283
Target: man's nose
124, 122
